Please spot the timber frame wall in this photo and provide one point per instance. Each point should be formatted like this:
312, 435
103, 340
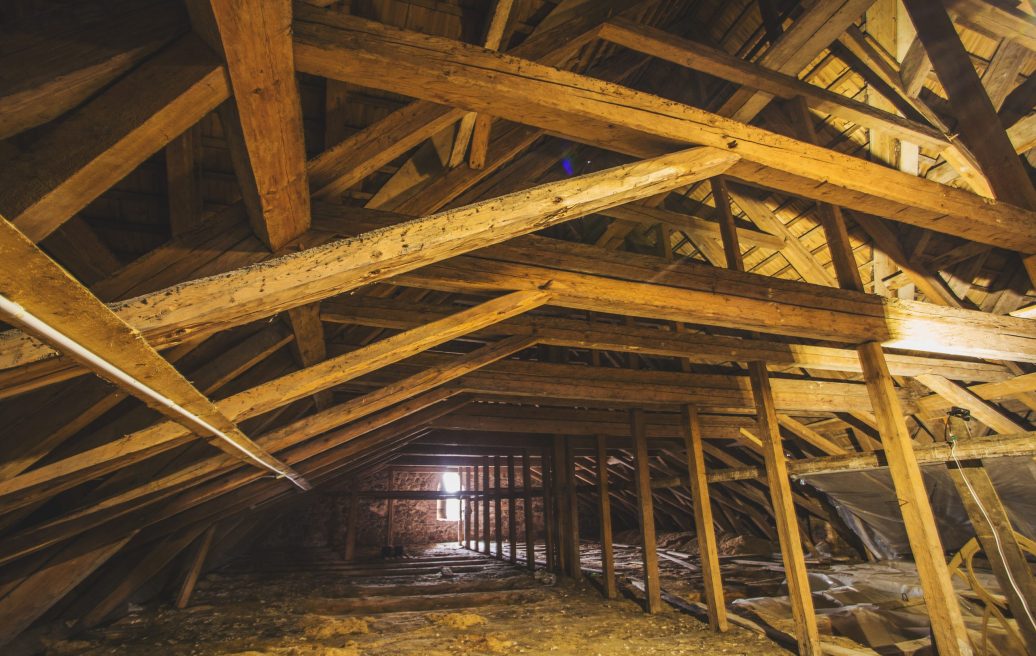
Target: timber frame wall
657, 256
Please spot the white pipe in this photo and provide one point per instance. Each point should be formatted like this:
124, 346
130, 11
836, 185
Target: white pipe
64, 343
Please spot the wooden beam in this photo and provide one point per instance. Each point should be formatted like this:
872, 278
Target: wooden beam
43, 299
88, 151
283, 390
715, 62
919, 520
471, 130
498, 509
694, 226
604, 508
997, 21
197, 564
254, 37
958, 395
781, 497
618, 118
59, 59
705, 530
529, 519
486, 548
512, 512
646, 514
148, 565
309, 343
37, 593
571, 503
183, 181
977, 121
651, 340
347, 264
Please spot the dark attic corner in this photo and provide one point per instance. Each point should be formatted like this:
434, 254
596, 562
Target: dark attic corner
467, 327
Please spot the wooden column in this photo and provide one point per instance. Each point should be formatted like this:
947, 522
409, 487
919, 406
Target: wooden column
530, 527
704, 527
784, 512
467, 508
498, 506
918, 518
799, 595
390, 523
561, 507
572, 501
351, 528
512, 515
485, 506
646, 512
549, 533
476, 536
604, 506
194, 570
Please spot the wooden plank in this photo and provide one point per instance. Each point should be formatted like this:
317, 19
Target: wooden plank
254, 37
45, 300
88, 151
645, 513
977, 121
618, 118
197, 564
604, 507
705, 530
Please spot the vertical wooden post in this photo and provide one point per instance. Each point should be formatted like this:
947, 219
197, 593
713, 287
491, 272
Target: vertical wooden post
784, 512
604, 506
390, 524
530, 528
475, 534
467, 508
485, 506
195, 569
779, 484
498, 503
646, 512
512, 515
918, 518
572, 502
704, 528
549, 534
351, 529
563, 532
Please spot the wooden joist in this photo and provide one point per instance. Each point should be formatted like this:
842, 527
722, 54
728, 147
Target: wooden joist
265, 133
618, 118
87, 151
42, 298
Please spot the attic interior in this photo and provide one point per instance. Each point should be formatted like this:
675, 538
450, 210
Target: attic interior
345, 327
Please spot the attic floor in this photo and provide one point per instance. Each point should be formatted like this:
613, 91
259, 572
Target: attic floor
323, 606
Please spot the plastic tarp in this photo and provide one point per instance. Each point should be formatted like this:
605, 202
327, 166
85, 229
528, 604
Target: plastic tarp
867, 503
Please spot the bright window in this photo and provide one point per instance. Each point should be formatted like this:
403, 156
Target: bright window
449, 509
